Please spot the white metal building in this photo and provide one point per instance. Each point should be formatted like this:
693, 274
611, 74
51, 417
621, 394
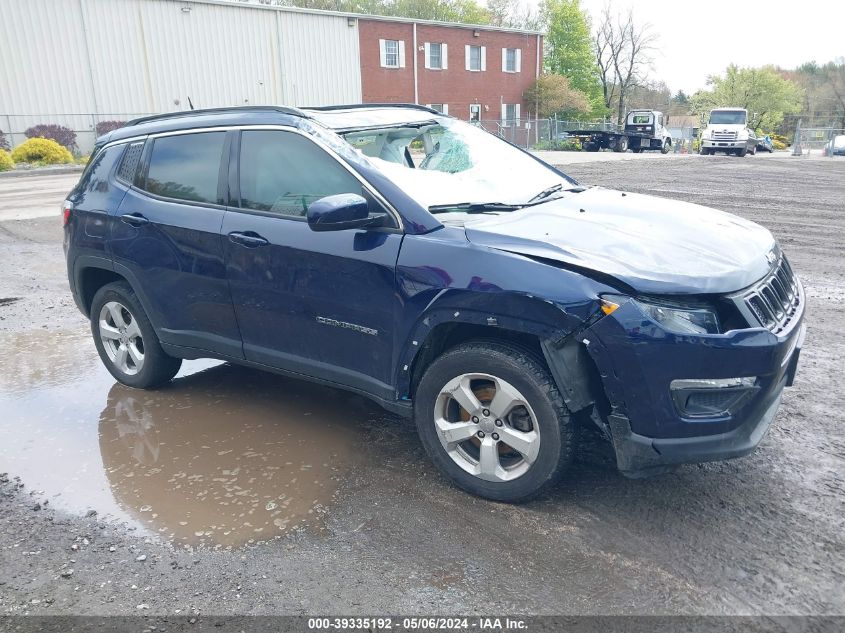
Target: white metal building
78, 62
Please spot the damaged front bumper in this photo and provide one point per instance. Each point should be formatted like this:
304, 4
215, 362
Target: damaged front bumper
651, 427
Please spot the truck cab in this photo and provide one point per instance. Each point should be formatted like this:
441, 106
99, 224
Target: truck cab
646, 129
727, 131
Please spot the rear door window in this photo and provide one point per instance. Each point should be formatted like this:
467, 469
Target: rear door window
283, 172
186, 167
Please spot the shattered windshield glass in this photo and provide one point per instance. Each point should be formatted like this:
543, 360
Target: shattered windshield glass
448, 163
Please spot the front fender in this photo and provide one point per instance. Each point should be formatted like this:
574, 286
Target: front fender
500, 312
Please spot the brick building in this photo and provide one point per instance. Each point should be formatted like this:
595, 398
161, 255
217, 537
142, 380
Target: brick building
471, 73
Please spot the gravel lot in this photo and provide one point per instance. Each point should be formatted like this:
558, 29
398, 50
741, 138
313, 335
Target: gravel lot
233, 492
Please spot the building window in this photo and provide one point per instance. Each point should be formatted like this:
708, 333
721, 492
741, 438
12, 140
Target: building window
436, 56
511, 60
510, 114
476, 58
475, 113
442, 108
392, 53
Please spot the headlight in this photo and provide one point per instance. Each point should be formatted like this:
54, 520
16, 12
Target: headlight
682, 320
742, 136
705, 134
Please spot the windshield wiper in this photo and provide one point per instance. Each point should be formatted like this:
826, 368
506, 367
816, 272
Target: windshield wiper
474, 207
545, 193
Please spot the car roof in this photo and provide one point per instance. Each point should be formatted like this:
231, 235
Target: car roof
338, 118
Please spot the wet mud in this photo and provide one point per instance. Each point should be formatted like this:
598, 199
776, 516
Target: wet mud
222, 456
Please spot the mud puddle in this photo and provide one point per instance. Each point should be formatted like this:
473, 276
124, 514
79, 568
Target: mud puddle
222, 456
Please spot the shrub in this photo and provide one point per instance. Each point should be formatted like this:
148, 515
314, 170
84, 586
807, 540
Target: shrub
104, 127
4, 144
6, 162
43, 151
559, 145
62, 135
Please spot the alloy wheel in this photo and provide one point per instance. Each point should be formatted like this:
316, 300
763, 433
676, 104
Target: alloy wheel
487, 427
121, 337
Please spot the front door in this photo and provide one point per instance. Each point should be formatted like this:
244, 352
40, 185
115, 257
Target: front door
165, 238
317, 303
475, 113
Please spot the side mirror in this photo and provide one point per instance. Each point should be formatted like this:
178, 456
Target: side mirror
341, 212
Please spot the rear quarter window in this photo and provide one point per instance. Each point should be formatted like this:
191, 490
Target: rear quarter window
129, 164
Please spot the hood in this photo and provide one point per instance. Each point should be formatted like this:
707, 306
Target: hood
654, 245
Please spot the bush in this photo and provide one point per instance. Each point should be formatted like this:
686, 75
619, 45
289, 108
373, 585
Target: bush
4, 144
42, 151
62, 135
776, 144
560, 145
104, 127
6, 162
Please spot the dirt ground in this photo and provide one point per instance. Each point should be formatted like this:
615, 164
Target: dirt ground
235, 492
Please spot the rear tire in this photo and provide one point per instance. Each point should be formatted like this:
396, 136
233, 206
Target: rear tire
621, 144
524, 438
126, 341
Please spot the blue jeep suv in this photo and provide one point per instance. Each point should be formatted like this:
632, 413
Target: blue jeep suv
446, 274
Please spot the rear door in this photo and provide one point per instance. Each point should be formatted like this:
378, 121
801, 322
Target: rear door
166, 240
322, 304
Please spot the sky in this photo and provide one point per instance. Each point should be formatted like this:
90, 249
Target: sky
697, 39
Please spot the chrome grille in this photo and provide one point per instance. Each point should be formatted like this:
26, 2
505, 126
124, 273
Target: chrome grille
724, 136
776, 299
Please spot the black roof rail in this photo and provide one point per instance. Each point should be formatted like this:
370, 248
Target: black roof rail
187, 113
358, 106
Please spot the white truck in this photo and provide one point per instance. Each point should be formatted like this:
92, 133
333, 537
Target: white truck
727, 131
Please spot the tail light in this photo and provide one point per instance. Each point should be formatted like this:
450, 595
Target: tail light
67, 207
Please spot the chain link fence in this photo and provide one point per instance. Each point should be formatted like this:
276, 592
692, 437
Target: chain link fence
86, 126
528, 133
553, 134
818, 141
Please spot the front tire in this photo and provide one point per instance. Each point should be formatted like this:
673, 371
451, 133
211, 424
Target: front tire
666, 147
126, 341
492, 420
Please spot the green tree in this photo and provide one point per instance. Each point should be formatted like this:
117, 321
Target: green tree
553, 94
764, 92
569, 48
464, 11
514, 14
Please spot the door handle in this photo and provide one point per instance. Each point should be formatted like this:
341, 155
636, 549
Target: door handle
134, 219
248, 239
